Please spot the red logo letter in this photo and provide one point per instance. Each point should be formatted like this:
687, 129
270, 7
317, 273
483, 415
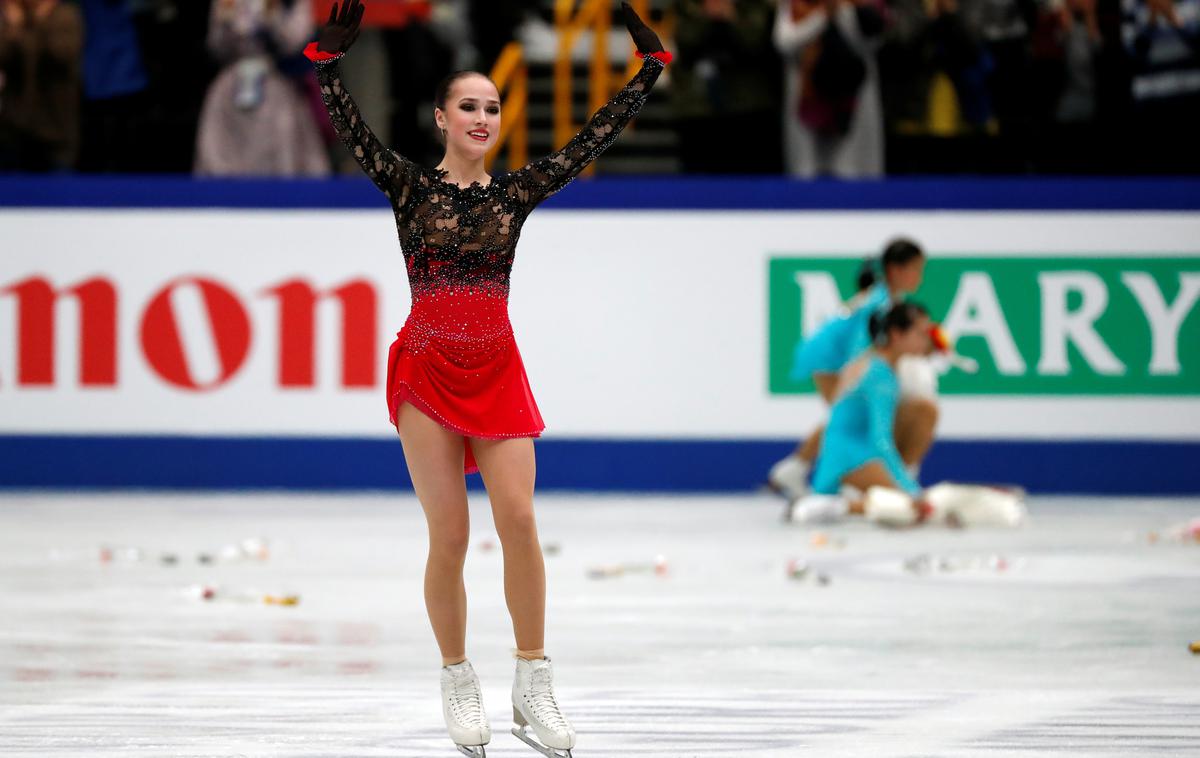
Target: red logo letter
97, 331
226, 322
297, 335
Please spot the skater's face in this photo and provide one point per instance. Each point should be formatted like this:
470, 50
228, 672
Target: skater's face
471, 118
906, 277
914, 340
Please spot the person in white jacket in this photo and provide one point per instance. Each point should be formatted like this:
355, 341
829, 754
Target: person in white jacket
256, 121
812, 146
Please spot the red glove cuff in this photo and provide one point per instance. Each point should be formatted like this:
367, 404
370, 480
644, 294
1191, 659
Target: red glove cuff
664, 57
318, 56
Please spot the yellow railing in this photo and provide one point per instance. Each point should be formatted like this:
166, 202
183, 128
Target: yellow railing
572, 18
511, 75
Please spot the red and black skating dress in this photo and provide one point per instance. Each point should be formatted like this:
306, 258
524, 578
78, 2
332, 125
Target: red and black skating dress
456, 359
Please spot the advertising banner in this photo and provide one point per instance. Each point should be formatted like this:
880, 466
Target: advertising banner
1036, 325
660, 338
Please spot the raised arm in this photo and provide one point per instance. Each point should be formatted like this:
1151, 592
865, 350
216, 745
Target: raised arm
56, 35
544, 177
791, 34
392, 173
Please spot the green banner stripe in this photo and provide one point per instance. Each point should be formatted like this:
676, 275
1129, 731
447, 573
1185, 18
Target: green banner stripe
1037, 326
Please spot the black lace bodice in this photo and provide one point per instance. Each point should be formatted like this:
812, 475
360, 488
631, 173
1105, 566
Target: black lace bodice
454, 236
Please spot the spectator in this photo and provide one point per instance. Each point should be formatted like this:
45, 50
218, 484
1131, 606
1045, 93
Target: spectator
417, 61
959, 54
724, 83
172, 36
1019, 98
833, 117
256, 120
1163, 39
1070, 145
934, 76
905, 66
925, 43
40, 45
115, 98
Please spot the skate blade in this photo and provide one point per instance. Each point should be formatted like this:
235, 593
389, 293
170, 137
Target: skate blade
475, 751
549, 752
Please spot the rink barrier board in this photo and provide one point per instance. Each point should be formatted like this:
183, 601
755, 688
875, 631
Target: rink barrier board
643, 193
614, 464
1105, 467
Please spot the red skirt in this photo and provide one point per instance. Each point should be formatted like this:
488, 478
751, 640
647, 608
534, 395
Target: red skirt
457, 362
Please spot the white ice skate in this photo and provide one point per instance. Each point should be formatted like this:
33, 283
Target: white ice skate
820, 509
534, 706
789, 478
462, 705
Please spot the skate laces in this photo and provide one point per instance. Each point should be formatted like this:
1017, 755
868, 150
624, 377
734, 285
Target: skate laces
542, 702
466, 701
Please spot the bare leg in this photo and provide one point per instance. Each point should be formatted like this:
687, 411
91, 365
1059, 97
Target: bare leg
435, 462
916, 419
870, 474
509, 470
810, 448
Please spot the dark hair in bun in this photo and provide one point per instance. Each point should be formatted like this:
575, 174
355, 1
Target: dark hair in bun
899, 317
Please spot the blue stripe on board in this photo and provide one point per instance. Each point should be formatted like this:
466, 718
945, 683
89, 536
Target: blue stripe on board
650, 193
191, 463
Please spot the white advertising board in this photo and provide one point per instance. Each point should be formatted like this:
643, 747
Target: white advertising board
632, 324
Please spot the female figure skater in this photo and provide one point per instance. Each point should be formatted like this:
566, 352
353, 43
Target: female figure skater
457, 390
859, 447
841, 339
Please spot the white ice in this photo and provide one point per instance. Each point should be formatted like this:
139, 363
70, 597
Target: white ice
1079, 647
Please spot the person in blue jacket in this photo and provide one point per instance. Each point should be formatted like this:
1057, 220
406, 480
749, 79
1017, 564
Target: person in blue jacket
839, 341
859, 447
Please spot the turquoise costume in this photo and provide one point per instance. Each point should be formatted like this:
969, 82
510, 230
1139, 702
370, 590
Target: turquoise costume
860, 430
842, 338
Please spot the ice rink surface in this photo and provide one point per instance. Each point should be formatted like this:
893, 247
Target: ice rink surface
1067, 637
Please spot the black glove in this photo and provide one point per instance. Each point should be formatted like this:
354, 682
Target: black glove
643, 36
342, 29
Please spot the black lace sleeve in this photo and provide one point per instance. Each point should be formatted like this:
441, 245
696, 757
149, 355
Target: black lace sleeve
544, 177
391, 172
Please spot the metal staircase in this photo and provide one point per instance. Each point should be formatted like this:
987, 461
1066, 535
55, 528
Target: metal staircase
562, 78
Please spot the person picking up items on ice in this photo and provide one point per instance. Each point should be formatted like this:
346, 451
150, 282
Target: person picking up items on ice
859, 445
863, 467
917, 415
836, 343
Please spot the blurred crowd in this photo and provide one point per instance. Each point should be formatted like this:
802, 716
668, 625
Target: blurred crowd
845, 88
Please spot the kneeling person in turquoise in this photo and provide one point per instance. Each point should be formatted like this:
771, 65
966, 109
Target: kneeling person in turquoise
859, 447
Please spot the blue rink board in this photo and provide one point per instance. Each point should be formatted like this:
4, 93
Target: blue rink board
614, 465
1175, 194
